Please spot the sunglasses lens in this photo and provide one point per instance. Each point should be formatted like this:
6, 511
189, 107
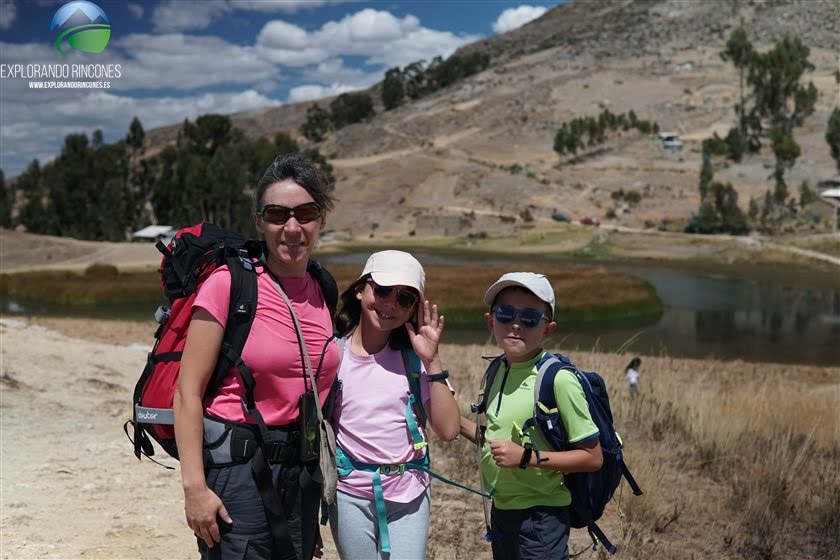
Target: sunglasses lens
276, 214
406, 299
504, 313
381, 291
304, 213
530, 318
307, 212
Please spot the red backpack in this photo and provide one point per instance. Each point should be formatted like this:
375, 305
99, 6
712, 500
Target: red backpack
190, 258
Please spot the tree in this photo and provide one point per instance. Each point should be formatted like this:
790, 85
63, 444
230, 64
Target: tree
806, 195
740, 51
832, 136
774, 77
285, 143
414, 76
318, 123
135, 135
32, 214
350, 108
7, 199
393, 89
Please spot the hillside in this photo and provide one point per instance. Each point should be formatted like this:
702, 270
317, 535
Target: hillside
441, 164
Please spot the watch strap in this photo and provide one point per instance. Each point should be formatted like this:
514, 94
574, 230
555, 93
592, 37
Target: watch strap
438, 376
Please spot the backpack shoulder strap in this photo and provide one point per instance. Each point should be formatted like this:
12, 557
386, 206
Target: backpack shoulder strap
328, 285
241, 312
480, 407
413, 366
547, 369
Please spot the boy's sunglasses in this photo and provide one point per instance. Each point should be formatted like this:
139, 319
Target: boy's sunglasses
277, 214
528, 318
405, 298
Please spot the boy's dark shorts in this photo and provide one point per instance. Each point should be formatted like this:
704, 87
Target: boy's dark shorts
536, 533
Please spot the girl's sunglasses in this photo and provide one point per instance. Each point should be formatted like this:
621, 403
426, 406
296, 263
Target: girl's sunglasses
528, 318
277, 214
405, 298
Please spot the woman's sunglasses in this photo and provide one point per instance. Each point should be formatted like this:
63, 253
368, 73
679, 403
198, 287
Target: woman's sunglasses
277, 214
528, 318
405, 298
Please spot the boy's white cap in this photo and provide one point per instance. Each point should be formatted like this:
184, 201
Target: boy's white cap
537, 284
393, 268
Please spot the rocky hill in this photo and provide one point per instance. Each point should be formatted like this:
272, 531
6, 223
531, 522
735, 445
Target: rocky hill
477, 156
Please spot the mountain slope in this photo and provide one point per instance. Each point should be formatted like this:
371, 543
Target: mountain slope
477, 156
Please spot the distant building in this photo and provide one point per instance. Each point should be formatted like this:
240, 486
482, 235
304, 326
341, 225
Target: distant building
832, 198
154, 233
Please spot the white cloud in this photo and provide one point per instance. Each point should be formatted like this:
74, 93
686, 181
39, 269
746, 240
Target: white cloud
279, 34
313, 91
8, 13
185, 62
377, 35
136, 10
187, 15
517, 17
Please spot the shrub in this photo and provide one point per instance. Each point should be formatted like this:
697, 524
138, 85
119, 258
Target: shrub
349, 108
101, 270
318, 123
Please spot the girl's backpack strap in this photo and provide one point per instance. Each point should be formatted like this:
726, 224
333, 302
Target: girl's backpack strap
414, 408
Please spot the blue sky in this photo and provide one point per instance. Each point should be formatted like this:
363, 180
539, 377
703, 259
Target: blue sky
183, 58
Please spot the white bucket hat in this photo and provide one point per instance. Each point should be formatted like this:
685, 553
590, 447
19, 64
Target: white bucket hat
395, 268
537, 284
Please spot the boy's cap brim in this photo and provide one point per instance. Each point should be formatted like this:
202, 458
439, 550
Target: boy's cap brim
537, 284
396, 268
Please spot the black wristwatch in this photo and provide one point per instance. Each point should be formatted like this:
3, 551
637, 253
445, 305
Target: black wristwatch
442, 376
526, 456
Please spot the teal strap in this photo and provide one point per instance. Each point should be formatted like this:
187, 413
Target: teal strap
416, 436
381, 515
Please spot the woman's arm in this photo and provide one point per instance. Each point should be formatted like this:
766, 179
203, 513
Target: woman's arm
201, 505
585, 457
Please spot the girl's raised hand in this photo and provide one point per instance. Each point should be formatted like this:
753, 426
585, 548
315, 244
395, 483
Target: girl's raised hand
426, 338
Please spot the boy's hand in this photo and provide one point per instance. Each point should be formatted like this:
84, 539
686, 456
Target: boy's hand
506, 453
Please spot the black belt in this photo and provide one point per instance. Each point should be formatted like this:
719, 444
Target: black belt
233, 443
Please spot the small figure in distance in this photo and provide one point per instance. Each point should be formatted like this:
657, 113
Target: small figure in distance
632, 373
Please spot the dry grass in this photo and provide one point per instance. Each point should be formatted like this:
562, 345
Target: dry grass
737, 460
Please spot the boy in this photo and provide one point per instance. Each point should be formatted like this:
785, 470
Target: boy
530, 514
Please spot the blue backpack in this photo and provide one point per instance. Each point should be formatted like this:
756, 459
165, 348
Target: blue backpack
590, 491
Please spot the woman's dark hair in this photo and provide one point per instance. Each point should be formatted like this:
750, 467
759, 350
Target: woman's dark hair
298, 168
350, 313
634, 363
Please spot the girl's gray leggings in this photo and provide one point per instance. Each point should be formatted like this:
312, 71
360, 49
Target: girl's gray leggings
355, 530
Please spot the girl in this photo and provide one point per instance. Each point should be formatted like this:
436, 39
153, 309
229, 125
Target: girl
382, 505
632, 373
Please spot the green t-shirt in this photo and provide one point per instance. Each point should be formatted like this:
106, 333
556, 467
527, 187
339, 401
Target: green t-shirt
511, 401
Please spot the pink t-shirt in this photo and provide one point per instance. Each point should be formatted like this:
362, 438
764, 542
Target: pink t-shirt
371, 423
271, 351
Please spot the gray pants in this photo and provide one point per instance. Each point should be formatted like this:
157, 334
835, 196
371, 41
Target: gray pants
355, 528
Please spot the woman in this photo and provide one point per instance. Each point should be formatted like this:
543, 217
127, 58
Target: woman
231, 513
390, 359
